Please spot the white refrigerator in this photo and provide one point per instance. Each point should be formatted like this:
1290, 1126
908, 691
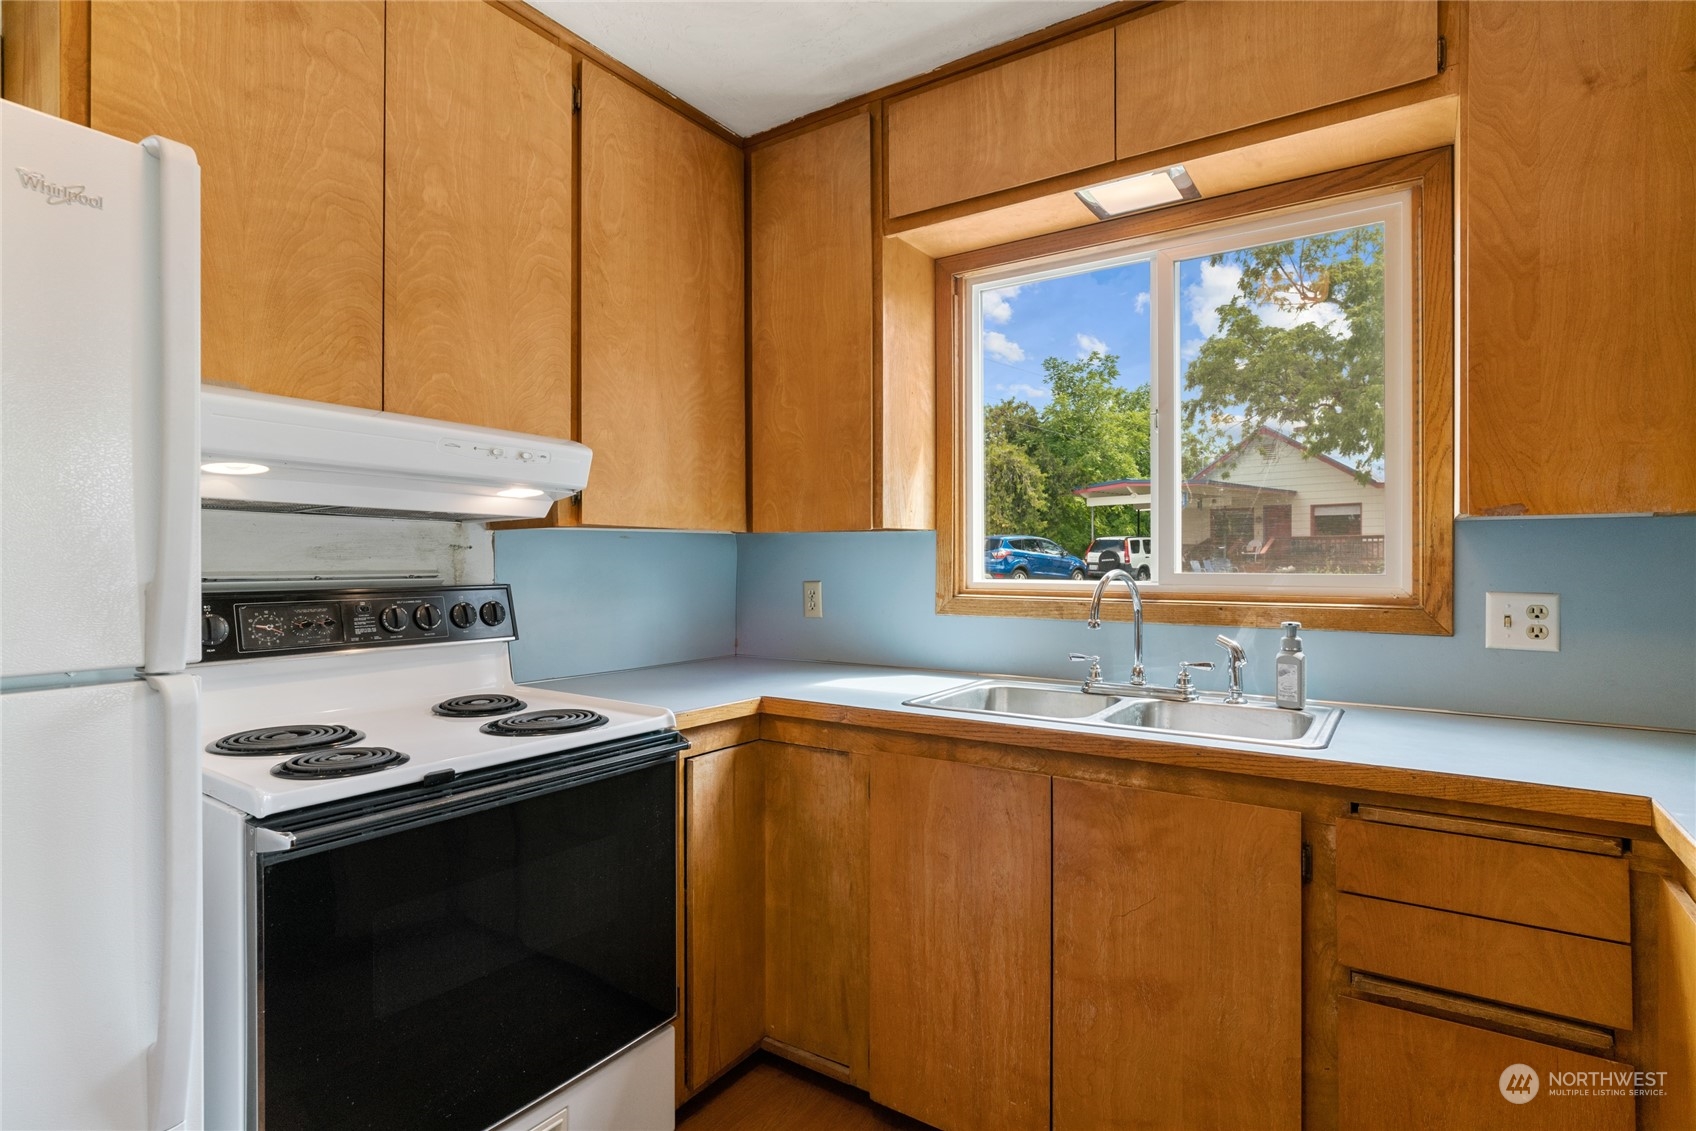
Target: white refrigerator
99, 611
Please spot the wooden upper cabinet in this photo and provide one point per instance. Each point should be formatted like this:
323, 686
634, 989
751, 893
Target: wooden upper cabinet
811, 244
477, 286
960, 943
1195, 69
1040, 115
1578, 140
1177, 961
661, 368
283, 104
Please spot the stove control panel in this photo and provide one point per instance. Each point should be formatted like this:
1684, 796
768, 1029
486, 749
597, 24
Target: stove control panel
236, 626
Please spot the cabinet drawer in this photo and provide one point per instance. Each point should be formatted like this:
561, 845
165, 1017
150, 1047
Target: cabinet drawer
1398, 1070
1038, 116
1574, 892
1566, 975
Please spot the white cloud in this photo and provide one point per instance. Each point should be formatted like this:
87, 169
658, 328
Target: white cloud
1088, 344
1142, 303
1002, 348
1029, 392
998, 304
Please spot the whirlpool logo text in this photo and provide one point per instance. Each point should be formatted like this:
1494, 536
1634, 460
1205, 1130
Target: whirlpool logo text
56, 193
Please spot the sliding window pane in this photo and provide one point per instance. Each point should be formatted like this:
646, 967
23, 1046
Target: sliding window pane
1281, 356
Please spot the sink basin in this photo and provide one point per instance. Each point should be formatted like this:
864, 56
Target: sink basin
1245, 722
1035, 701
1257, 721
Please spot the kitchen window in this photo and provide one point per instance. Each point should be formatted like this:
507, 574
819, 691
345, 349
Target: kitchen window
1262, 382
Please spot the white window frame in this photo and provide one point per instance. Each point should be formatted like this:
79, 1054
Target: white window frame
1164, 251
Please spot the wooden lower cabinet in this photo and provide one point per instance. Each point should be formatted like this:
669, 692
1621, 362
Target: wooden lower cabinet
724, 910
960, 956
1177, 961
816, 845
1404, 1071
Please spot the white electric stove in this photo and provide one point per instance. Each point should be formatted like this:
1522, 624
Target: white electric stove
434, 898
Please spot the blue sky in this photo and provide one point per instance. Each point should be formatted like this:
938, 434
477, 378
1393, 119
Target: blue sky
1065, 318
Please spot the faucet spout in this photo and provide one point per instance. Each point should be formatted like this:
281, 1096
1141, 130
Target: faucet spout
1136, 617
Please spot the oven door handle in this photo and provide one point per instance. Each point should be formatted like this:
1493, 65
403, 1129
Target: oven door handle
451, 800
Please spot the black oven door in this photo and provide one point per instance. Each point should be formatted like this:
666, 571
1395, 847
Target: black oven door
441, 956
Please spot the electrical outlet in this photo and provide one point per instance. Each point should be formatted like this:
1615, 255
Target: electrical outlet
1527, 621
812, 598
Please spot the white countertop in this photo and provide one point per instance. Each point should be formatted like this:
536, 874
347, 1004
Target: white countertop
1660, 765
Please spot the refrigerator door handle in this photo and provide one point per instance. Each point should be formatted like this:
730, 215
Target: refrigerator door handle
173, 599
173, 1054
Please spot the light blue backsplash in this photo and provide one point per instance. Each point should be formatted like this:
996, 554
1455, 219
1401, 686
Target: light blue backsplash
1628, 623
606, 600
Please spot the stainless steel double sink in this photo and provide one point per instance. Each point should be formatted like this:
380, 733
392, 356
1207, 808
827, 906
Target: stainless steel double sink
1258, 721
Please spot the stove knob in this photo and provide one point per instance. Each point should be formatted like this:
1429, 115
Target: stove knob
493, 613
427, 617
393, 618
463, 615
214, 630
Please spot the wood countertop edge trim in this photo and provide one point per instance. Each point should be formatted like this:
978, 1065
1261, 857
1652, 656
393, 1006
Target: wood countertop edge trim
720, 713
1680, 840
1567, 801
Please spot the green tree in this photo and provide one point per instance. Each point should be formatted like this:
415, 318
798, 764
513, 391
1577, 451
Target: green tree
1090, 430
1325, 384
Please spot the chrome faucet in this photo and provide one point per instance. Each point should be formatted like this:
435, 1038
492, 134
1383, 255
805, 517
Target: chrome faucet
1236, 659
1136, 618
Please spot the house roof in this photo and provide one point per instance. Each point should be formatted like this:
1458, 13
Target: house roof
1268, 430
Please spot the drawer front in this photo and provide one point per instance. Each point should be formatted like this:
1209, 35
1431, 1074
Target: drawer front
1567, 975
1401, 1071
1574, 892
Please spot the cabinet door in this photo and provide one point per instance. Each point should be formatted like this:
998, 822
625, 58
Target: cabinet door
477, 283
1041, 115
1579, 154
816, 865
960, 905
661, 382
1177, 961
283, 104
1193, 70
1670, 1044
1401, 1071
811, 323
724, 880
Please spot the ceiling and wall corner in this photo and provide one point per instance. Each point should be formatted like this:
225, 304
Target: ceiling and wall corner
753, 66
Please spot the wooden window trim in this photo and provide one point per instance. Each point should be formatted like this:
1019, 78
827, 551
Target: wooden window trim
1429, 607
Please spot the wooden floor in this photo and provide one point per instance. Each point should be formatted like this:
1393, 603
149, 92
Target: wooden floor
766, 1093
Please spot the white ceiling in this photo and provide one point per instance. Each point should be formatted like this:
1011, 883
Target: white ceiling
752, 66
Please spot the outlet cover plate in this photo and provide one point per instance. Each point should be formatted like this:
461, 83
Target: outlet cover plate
812, 598
1529, 622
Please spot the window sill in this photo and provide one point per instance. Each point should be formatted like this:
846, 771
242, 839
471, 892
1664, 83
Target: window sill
1071, 600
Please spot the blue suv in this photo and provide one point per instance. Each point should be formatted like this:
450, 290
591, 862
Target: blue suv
1022, 556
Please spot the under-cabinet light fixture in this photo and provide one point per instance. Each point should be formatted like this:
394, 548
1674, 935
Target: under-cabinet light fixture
234, 468
1133, 194
520, 492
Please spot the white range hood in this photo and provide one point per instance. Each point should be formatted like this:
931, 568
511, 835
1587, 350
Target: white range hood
330, 459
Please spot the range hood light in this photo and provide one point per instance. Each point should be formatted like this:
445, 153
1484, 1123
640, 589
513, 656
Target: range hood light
1133, 194
520, 493
235, 468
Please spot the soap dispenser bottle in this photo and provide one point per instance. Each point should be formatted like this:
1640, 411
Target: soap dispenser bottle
1291, 669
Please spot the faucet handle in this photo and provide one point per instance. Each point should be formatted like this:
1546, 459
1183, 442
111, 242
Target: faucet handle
1184, 668
1094, 663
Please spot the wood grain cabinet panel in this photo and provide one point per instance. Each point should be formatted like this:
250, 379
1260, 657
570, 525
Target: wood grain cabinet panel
1177, 962
1541, 887
1566, 975
1671, 1032
811, 323
1578, 143
817, 848
960, 951
661, 307
1040, 115
478, 275
724, 880
1402, 1071
283, 104
1197, 69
